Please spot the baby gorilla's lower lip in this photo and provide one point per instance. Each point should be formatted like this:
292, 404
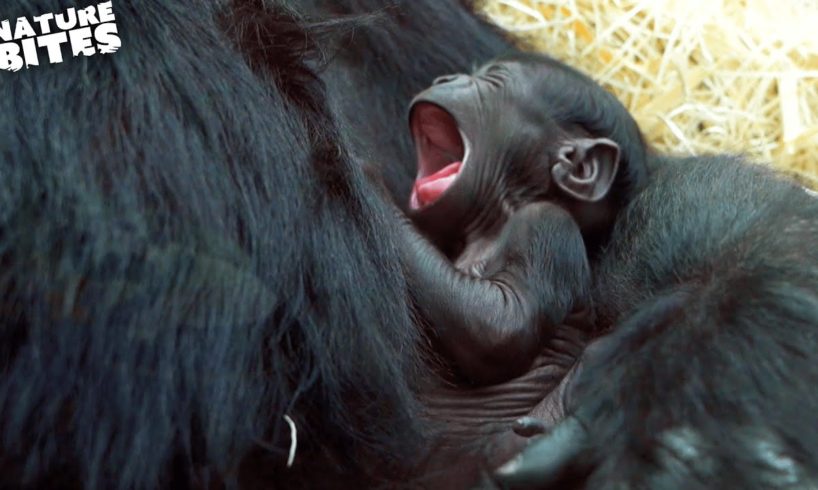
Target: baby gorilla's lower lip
429, 189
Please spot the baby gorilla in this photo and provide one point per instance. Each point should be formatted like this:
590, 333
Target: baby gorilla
517, 182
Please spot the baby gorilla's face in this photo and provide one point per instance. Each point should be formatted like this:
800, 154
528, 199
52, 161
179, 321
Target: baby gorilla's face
481, 143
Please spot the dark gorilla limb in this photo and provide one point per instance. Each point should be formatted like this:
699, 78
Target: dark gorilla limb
179, 232
708, 379
494, 322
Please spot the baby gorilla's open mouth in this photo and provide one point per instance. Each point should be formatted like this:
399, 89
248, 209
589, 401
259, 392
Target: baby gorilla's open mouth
442, 151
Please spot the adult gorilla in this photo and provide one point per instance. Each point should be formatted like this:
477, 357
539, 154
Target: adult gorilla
190, 254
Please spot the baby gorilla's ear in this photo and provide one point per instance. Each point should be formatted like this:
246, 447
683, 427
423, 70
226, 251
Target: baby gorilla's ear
585, 168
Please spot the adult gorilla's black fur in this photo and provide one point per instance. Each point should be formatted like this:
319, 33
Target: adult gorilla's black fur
380, 65
707, 380
187, 255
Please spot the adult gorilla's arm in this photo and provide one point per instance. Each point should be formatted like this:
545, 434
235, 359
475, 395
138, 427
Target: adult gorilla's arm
709, 384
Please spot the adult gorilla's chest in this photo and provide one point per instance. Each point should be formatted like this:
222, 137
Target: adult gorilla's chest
475, 423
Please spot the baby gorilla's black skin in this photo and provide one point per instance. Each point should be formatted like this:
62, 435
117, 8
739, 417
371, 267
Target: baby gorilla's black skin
511, 194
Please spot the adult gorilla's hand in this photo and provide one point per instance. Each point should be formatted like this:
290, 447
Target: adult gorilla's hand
552, 460
558, 456
646, 410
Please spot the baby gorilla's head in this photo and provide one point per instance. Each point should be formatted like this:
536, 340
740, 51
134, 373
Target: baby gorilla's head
520, 129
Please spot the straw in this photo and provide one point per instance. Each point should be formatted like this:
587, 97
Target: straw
700, 76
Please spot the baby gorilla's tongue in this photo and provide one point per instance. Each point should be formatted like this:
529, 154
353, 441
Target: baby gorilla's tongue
429, 188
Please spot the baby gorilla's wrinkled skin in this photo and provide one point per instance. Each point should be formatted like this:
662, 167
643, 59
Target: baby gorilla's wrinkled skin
506, 198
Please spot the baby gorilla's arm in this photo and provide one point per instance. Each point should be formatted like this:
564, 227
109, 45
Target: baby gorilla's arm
493, 326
